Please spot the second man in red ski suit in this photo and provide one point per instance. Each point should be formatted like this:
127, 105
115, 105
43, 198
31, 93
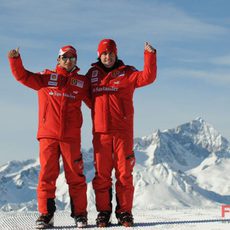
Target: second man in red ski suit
112, 87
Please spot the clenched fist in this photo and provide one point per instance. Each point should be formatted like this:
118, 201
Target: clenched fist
13, 53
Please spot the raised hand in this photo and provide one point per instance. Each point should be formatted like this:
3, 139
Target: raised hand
149, 47
13, 53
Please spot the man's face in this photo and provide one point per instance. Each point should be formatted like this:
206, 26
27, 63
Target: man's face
67, 61
108, 59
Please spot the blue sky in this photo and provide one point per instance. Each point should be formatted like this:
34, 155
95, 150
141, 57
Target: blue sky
191, 37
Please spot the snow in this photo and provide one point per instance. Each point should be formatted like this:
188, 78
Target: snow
181, 179
206, 168
180, 219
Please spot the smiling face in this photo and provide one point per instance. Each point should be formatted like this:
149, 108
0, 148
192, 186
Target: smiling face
108, 59
67, 61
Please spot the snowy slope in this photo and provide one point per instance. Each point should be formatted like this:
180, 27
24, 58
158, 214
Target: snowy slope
182, 167
183, 219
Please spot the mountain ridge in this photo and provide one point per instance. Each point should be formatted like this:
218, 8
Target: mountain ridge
186, 166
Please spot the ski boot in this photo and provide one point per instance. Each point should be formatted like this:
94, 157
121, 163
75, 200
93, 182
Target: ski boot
125, 219
103, 219
45, 221
80, 221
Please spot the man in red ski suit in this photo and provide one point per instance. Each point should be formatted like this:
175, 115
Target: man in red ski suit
112, 87
60, 94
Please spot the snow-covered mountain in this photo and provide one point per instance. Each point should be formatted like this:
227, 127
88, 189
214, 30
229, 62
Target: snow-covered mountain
183, 167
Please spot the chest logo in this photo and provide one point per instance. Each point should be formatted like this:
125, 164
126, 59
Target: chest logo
77, 82
118, 73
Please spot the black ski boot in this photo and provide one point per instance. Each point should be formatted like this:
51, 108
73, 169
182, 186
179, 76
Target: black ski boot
45, 221
125, 219
80, 221
103, 219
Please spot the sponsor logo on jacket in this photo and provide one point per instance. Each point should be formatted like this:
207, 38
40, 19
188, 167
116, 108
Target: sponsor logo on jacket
95, 79
53, 79
52, 83
118, 73
94, 76
77, 82
105, 89
95, 73
58, 94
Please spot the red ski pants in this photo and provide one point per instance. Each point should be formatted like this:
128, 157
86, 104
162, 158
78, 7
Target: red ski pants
50, 151
113, 151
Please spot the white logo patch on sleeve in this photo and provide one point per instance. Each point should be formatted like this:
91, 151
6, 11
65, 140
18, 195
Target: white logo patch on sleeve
95, 79
54, 77
95, 73
52, 83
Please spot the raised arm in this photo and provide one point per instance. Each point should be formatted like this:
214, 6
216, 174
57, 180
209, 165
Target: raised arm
148, 75
32, 80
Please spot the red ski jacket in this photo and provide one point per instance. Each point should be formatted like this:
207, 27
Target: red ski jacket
112, 94
60, 94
